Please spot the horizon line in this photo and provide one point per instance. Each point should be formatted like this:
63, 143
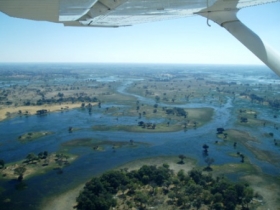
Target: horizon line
135, 63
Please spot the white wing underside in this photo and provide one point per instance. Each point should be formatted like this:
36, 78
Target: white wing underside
110, 13
114, 13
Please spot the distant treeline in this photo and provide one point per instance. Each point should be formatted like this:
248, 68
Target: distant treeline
63, 100
274, 103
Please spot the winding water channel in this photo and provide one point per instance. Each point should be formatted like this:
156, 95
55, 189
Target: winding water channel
91, 163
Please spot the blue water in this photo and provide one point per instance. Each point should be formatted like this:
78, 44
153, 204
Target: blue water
91, 163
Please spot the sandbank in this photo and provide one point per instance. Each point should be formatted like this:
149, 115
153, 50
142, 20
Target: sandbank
65, 201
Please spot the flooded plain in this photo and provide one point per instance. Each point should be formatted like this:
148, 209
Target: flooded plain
106, 134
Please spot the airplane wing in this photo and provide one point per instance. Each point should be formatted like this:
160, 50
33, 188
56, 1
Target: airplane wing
116, 13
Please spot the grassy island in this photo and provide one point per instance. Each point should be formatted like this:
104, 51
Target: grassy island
100, 145
34, 165
240, 137
173, 119
31, 136
249, 117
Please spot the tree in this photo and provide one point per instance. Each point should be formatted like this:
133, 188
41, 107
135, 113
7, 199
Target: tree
154, 186
248, 196
157, 99
20, 171
141, 123
45, 153
196, 176
242, 158
123, 189
141, 198
31, 157
230, 198
60, 95
41, 155
182, 157
197, 203
95, 197
243, 119
2, 163
205, 147
172, 196
218, 206
220, 130
209, 161
225, 135
218, 197
181, 175
181, 200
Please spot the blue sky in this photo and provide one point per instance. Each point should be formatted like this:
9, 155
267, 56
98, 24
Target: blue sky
187, 40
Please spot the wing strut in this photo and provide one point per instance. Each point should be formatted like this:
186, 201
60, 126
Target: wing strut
252, 41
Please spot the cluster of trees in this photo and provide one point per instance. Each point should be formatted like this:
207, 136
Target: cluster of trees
31, 157
62, 99
220, 130
143, 188
256, 98
147, 125
243, 119
274, 103
61, 159
177, 111
41, 112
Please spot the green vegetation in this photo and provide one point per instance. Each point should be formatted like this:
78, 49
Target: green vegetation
235, 168
31, 136
248, 117
244, 138
137, 128
99, 145
174, 119
34, 165
151, 186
